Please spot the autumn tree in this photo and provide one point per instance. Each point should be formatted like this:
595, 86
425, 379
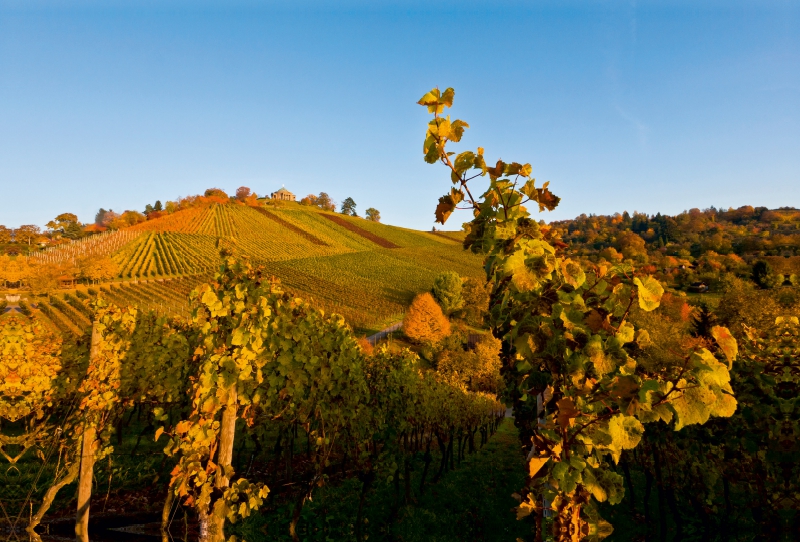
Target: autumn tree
631, 245
373, 214
43, 278
66, 225
73, 231
27, 234
349, 207
487, 377
478, 369
154, 210
743, 304
98, 269
218, 193
107, 218
126, 219
476, 300
325, 202
310, 200
5, 235
447, 289
424, 321
703, 321
610, 254
242, 193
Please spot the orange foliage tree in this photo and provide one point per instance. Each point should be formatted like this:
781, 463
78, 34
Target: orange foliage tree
96, 268
425, 321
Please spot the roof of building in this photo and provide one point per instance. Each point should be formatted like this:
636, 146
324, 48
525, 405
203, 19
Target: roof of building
282, 189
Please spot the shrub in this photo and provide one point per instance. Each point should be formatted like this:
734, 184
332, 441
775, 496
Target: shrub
765, 276
24, 309
366, 347
479, 369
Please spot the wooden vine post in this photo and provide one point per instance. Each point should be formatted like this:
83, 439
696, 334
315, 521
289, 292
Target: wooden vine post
227, 434
111, 340
231, 315
89, 446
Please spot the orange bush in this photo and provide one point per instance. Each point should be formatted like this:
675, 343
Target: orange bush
365, 346
425, 322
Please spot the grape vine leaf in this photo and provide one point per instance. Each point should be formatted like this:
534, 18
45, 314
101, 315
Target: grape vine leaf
650, 292
726, 343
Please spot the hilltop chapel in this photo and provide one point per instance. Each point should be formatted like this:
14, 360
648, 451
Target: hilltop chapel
283, 194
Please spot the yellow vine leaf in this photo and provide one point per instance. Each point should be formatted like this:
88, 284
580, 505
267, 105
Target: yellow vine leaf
726, 343
650, 292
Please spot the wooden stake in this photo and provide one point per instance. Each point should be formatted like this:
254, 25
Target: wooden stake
88, 450
227, 433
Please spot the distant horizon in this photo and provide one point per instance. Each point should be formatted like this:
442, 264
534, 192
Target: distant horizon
449, 226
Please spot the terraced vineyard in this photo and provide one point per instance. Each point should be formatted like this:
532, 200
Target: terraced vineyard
365, 271
97, 245
380, 241
166, 254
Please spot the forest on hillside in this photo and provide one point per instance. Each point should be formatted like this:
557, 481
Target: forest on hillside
609, 377
696, 246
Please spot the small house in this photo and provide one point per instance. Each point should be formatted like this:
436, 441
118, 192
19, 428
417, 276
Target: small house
698, 287
283, 195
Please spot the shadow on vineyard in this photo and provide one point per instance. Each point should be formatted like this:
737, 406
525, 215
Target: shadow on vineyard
472, 502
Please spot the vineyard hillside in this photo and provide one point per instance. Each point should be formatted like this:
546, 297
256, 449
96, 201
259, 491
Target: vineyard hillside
366, 271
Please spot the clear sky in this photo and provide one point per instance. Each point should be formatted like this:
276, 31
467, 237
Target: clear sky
648, 106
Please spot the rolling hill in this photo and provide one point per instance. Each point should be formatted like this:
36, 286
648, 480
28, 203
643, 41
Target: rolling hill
366, 271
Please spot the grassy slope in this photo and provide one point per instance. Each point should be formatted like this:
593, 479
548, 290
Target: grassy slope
345, 273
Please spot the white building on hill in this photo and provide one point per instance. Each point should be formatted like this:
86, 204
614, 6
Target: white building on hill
283, 194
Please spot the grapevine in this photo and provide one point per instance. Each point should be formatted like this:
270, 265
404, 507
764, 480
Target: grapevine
579, 396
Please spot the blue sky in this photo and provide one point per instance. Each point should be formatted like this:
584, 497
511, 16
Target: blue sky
648, 106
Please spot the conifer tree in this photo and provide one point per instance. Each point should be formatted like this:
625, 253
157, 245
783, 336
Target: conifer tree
447, 290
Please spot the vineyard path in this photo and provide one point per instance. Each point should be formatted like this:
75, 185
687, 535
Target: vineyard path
383, 333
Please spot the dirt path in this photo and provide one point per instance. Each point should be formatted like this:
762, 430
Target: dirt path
382, 334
